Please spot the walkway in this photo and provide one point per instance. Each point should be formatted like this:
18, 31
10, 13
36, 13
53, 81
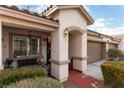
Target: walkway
79, 80
94, 70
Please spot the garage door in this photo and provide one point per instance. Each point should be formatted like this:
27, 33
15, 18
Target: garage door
94, 50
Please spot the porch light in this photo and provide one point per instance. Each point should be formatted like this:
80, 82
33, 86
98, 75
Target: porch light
65, 33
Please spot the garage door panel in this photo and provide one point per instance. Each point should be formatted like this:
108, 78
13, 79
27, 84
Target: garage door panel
94, 50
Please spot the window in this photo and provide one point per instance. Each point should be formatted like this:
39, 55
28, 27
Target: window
34, 49
24, 46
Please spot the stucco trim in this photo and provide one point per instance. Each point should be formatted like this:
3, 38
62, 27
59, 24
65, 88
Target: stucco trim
113, 42
74, 28
59, 62
21, 15
96, 39
79, 58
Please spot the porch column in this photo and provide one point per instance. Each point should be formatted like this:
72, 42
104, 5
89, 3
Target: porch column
59, 55
1, 62
106, 49
84, 52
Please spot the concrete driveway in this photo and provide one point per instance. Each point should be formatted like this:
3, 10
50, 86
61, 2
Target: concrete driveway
94, 70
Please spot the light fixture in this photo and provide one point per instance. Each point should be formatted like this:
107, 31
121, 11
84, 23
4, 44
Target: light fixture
65, 33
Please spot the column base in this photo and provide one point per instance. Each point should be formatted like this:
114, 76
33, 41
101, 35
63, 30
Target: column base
1, 67
80, 64
59, 70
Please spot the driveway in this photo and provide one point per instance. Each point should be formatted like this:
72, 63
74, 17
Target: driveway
94, 70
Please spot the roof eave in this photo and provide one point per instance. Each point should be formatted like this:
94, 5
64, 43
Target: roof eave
89, 18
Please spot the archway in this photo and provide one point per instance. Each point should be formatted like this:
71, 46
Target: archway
75, 48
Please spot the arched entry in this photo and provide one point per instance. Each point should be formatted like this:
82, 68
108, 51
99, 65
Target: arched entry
75, 48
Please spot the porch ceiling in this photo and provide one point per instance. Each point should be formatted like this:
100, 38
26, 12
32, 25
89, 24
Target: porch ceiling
13, 18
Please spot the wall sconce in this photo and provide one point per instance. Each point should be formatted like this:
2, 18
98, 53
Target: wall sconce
107, 41
65, 33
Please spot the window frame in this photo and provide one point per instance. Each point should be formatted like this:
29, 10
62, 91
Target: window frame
11, 48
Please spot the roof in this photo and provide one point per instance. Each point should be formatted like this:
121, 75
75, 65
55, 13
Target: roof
119, 36
53, 8
28, 12
97, 33
102, 35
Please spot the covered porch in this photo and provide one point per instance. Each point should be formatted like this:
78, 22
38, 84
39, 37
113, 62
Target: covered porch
24, 36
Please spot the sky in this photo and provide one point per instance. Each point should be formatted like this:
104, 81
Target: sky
108, 19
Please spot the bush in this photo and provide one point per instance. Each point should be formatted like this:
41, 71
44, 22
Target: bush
114, 54
8, 76
36, 83
113, 73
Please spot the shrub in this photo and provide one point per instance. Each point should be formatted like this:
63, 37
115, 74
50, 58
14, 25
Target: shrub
113, 73
39, 82
114, 54
8, 76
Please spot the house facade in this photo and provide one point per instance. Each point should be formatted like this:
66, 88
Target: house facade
59, 36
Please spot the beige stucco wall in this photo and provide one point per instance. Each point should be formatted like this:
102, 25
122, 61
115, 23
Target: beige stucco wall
76, 49
1, 50
121, 45
5, 51
75, 46
67, 18
5, 35
44, 49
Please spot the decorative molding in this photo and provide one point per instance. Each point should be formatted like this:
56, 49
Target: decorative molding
72, 28
79, 58
59, 62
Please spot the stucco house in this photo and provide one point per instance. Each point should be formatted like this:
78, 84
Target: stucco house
59, 36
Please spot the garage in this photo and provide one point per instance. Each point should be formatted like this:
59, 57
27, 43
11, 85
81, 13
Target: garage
95, 51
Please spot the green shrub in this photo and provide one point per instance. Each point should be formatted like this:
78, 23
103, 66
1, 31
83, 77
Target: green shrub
113, 73
8, 76
39, 82
113, 54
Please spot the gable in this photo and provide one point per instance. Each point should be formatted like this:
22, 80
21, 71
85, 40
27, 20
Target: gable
83, 12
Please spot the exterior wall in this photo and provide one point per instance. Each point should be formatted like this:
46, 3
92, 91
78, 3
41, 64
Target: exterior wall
112, 46
75, 46
105, 46
6, 31
1, 50
84, 52
75, 50
44, 49
121, 45
5, 51
67, 18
